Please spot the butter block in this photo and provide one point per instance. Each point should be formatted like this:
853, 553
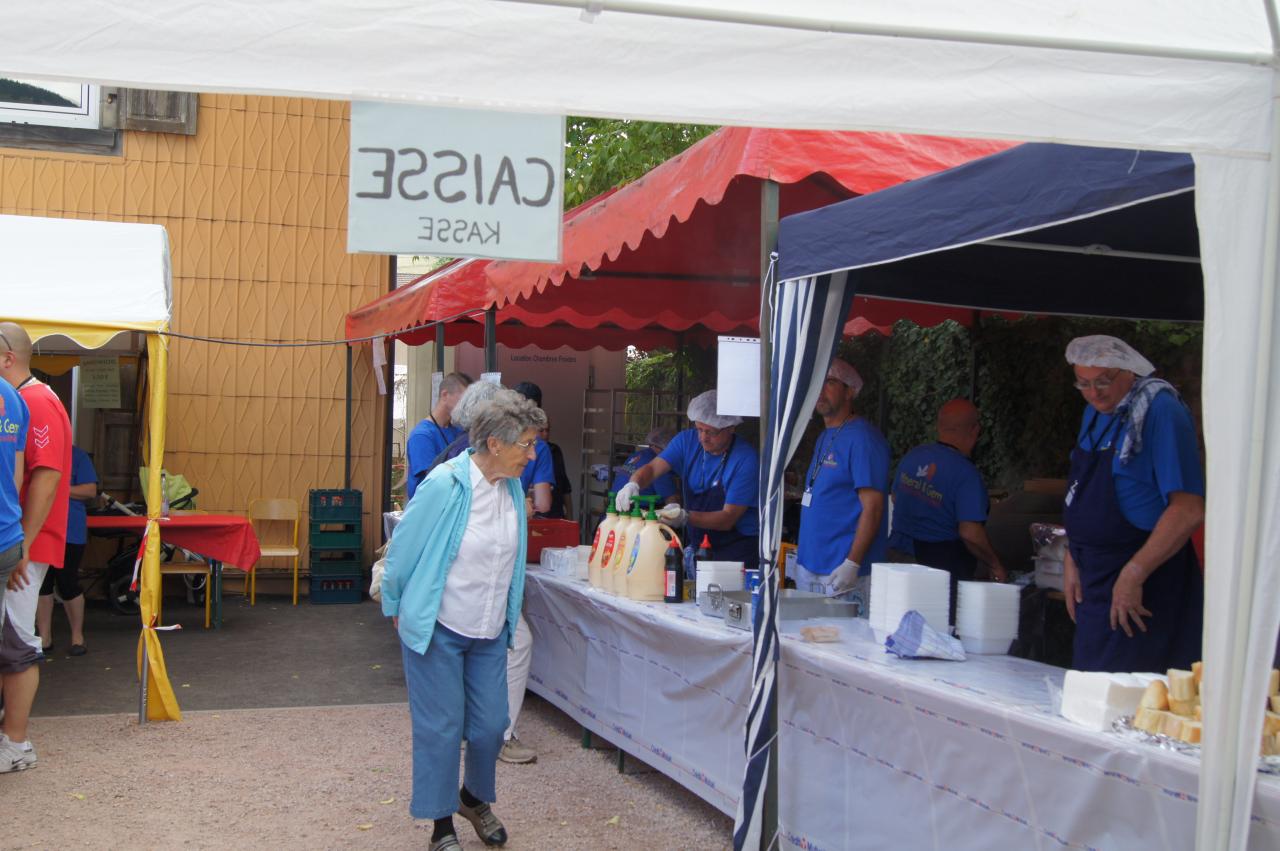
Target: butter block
1185, 708
1095, 699
1150, 720
1189, 731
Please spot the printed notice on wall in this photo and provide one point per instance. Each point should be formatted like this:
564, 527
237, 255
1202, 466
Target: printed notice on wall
738, 377
455, 182
100, 382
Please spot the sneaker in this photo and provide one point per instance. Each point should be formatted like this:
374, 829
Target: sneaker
517, 753
448, 842
488, 828
15, 756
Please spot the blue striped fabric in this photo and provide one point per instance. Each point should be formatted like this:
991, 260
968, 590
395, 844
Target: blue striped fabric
808, 318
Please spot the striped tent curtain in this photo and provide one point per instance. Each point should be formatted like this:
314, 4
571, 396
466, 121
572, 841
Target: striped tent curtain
808, 315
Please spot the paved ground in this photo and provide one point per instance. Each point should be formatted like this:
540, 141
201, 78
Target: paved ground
296, 735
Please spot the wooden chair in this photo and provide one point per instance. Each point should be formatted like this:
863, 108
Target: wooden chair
275, 510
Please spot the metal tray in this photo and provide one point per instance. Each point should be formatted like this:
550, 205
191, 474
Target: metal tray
793, 606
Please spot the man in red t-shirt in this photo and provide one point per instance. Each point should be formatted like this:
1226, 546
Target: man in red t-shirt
46, 487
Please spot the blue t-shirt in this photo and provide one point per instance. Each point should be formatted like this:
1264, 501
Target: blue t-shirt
14, 420
540, 469
663, 486
934, 490
1169, 460
82, 473
700, 471
426, 441
851, 456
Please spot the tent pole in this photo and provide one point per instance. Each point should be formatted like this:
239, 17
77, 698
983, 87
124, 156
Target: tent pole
768, 243
346, 475
439, 346
491, 339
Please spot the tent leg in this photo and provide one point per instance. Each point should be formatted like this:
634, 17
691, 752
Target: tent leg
346, 473
491, 339
142, 686
768, 243
439, 345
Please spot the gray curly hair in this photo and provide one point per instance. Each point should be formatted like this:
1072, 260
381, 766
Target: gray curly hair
506, 416
476, 394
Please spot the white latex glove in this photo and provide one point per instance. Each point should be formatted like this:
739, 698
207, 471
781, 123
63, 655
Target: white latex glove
629, 492
844, 576
673, 515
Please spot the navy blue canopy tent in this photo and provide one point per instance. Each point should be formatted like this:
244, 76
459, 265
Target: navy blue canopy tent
1119, 227
1040, 228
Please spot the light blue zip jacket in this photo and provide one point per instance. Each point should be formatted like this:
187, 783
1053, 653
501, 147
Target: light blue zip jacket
425, 544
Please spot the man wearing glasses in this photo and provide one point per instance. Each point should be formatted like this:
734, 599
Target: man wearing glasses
1135, 494
719, 483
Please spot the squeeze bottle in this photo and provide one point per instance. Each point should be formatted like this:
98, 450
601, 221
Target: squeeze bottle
646, 564
602, 544
615, 577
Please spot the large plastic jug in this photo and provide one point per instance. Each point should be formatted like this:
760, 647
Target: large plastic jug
646, 568
614, 578
602, 544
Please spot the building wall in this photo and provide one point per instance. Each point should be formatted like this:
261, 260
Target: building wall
255, 205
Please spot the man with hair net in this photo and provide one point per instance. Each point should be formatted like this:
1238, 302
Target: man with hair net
1135, 495
843, 522
719, 481
656, 441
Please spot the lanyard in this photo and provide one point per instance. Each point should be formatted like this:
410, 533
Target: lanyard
702, 465
1095, 440
817, 455
26, 381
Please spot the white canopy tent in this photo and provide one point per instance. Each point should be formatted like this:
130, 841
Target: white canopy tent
1180, 75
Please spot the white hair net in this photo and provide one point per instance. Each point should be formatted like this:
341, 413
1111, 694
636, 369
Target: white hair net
1101, 350
844, 372
702, 409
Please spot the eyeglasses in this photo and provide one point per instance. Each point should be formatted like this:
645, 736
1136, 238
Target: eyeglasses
1100, 384
525, 446
710, 432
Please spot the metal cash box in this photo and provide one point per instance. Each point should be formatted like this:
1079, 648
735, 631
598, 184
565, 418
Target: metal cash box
793, 606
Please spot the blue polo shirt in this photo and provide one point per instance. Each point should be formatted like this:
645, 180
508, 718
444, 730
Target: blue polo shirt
845, 458
14, 419
541, 469
82, 473
426, 441
700, 472
1169, 460
663, 486
935, 489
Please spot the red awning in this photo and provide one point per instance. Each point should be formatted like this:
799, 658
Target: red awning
674, 256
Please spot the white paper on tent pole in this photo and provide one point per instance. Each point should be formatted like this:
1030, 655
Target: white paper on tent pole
738, 376
493, 377
380, 363
436, 379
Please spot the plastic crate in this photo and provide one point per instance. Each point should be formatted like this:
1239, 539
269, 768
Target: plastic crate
550, 533
335, 506
348, 564
335, 536
347, 588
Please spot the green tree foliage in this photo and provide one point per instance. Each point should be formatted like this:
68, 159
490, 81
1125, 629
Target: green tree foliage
605, 153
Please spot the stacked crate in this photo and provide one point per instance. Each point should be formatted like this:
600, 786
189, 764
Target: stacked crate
336, 535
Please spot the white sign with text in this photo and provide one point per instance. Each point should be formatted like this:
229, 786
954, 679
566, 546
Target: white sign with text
455, 182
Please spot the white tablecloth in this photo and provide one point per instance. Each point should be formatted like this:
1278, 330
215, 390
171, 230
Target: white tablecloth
874, 751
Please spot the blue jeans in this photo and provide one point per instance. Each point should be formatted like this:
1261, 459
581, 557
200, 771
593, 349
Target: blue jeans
457, 690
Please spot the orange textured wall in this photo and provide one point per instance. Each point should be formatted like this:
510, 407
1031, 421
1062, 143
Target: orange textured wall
255, 205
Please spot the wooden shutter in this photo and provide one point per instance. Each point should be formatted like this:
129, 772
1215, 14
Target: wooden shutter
150, 110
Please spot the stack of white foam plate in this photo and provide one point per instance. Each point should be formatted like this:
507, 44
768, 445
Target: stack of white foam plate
899, 588
987, 616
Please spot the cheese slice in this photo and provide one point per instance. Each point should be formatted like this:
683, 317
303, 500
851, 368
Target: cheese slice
1182, 685
1189, 731
1171, 725
1150, 720
1096, 699
1275, 703
1274, 686
1185, 708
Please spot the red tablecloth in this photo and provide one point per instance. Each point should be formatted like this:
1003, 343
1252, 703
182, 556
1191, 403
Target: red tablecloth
228, 538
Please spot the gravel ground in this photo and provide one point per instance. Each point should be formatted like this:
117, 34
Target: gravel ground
327, 777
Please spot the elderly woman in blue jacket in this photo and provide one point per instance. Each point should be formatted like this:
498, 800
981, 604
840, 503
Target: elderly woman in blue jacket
453, 584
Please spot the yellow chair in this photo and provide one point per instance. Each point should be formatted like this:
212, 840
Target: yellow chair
266, 511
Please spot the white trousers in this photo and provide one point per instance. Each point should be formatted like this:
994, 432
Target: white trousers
519, 658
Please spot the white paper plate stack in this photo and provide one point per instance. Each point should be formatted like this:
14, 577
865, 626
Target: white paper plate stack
987, 616
898, 588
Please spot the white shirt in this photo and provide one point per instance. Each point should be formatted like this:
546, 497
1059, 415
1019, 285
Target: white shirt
474, 603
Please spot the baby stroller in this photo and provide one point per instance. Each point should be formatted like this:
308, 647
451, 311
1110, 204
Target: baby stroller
118, 577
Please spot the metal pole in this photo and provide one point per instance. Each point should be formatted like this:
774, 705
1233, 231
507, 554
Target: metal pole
439, 344
768, 242
346, 476
388, 414
491, 339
